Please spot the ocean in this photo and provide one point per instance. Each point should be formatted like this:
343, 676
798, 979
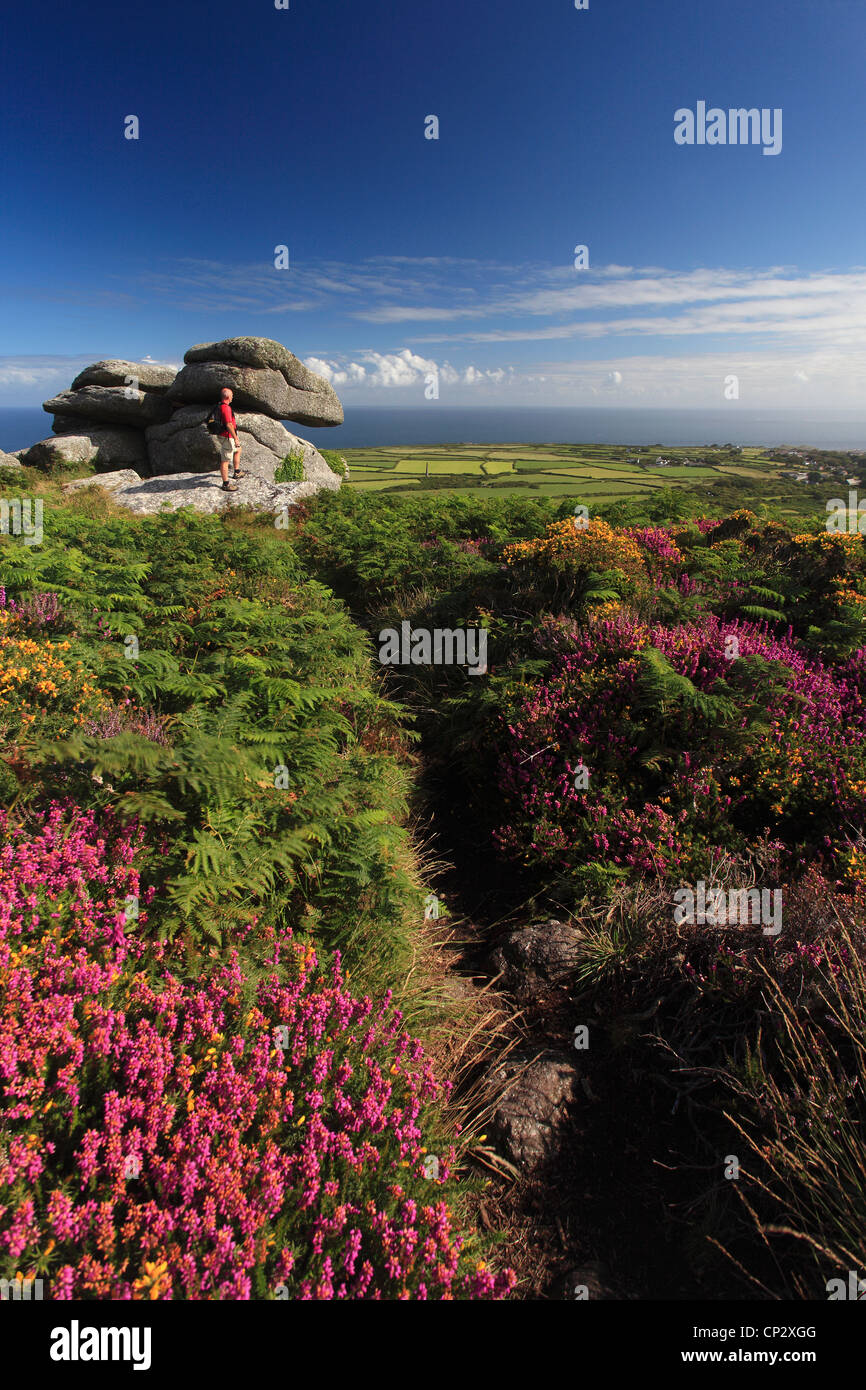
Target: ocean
435, 423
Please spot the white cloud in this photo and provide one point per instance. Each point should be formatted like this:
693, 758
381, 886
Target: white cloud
769, 379
404, 369
326, 369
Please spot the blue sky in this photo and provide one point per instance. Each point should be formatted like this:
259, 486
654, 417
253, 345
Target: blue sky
305, 127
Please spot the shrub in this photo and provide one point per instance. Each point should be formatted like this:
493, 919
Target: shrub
556, 566
688, 753
44, 688
291, 470
335, 462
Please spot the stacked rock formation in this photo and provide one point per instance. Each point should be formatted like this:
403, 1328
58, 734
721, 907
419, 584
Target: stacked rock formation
264, 376
269, 385
105, 413
142, 418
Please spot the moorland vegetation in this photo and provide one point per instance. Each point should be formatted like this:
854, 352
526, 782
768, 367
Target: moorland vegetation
223, 1063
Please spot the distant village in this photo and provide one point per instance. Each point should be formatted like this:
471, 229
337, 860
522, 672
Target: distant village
647, 460
805, 466
821, 466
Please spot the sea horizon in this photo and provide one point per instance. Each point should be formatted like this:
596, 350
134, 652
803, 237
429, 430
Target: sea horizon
437, 424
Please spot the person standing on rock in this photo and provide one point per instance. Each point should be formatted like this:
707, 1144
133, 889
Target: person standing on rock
230, 447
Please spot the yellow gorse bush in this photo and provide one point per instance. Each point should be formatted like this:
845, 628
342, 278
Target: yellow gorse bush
828, 541
602, 611
595, 546
37, 677
844, 594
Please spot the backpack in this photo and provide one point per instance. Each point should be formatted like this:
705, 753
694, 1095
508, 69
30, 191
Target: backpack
214, 421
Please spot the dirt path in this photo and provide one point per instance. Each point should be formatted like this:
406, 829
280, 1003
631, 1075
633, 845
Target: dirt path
619, 1208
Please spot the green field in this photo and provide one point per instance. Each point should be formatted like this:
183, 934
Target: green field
593, 473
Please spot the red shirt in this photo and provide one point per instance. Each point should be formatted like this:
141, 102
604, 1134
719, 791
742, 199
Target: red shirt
228, 419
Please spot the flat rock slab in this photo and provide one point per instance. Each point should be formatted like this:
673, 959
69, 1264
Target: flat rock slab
111, 405
121, 477
201, 491
150, 376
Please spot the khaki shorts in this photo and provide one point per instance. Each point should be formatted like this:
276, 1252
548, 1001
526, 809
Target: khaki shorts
228, 448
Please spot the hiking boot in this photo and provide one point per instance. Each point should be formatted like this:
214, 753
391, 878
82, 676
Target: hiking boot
229, 487
240, 473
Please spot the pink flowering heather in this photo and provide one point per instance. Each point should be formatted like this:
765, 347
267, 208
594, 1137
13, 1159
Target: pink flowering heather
37, 610
231, 1133
658, 541
40, 610
123, 720
794, 761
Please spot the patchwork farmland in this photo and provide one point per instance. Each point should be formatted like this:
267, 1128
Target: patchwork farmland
592, 473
